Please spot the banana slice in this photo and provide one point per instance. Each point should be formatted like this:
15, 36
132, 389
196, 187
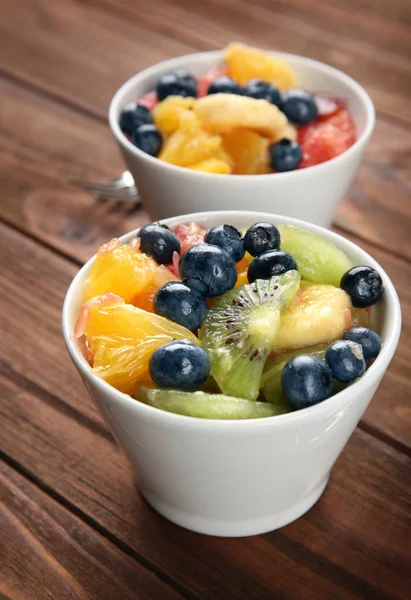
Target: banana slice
221, 113
288, 132
320, 313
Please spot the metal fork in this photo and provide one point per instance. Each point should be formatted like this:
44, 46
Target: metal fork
120, 188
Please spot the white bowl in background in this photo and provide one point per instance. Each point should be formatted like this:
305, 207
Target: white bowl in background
312, 194
236, 478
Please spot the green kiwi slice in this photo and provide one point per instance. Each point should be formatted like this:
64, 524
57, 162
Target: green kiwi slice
318, 259
240, 331
206, 406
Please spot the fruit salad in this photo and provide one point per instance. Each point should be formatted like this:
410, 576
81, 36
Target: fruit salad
247, 116
228, 324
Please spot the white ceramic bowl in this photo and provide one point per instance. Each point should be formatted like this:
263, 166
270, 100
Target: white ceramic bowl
312, 194
236, 478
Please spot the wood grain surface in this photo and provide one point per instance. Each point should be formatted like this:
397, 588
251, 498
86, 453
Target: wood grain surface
43, 542
72, 524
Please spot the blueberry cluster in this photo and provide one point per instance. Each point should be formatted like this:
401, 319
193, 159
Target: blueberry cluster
262, 240
307, 380
208, 270
136, 122
299, 107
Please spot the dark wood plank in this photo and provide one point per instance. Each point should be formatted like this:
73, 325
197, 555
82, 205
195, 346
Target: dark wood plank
47, 552
93, 52
45, 144
352, 544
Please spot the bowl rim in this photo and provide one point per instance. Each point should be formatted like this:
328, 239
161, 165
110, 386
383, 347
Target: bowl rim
337, 402
116, 103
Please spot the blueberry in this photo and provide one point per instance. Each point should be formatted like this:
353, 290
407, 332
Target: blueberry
367, 338
224, 85
159, 242
185, 75
306, 380
285, 155
299, 107
228, 238
364, 286
208, 269
176, 83
270, 263
179, 365
148, 139
132, 116
261, 237
346, 360
177, 302
257, 88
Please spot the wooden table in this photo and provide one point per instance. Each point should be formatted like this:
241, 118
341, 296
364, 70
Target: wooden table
71, 522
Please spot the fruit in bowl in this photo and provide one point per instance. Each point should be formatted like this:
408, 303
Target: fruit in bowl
226, 324
247, 116
207, 456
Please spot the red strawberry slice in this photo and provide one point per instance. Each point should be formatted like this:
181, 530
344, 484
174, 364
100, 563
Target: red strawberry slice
149, 100
325, 139
190, 235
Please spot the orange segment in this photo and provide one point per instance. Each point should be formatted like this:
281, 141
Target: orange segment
212, 165
242, 278
120, 269
122, 338
248, 150
245, 63
190, 144
145, 299
167, 113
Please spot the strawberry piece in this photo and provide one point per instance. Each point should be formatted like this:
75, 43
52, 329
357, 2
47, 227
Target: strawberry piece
149, 100
325, 139
173, 268
190, 235
205, 81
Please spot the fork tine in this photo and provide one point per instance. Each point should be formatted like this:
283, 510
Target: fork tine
97, 186
123, 195
121, 188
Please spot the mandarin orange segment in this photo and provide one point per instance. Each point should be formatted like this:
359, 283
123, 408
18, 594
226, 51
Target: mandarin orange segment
242, 268
145, 299
245, 63
248, 150
212, 165
119, 269
122, 338
190, 144
167, 113
242, 278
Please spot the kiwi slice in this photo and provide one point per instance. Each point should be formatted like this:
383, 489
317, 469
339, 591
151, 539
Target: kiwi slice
271, 378
240, 331
206, 406
318, 259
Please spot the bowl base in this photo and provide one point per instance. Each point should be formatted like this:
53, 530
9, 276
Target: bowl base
240, 528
